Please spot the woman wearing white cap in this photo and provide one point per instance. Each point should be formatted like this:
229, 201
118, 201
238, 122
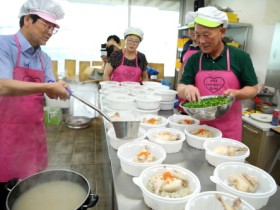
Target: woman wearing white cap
190, 47
218, 70
23, 149
128, 64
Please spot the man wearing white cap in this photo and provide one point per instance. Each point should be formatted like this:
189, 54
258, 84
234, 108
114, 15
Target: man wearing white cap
23, 149
218, 70
128, 64
189, 48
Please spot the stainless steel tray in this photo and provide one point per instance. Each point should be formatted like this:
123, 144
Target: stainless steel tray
78, 122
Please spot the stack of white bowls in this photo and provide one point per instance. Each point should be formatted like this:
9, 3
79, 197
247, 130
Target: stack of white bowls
147, 104
118, 103
168, 98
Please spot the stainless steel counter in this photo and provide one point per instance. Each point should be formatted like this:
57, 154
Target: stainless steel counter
129, 196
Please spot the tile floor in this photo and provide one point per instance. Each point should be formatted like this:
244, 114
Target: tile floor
84, 151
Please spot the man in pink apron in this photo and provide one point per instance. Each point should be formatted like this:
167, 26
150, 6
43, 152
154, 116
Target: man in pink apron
190, 47
218, 70
128, 64
23, 149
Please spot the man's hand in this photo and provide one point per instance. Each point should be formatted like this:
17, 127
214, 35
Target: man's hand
189, 92
57, 90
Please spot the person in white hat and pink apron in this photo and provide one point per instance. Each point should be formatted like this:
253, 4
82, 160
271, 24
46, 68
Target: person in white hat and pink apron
190, 47
128, 64
23, 149
218, 70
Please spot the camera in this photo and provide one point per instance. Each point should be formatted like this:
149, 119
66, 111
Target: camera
106, 50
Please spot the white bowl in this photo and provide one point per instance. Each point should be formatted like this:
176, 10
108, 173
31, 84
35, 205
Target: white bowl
105, 84
128, 151
109, 110
148, 126
116, 90
130, 83
141, 112
267, 186
208, 200
174, 119
123, 116
116, 143
151, 83
197, 141
155, 88
141, 92
167, 95
119, 101
167, 105
157, 202
215, 159
147, 102
169, 146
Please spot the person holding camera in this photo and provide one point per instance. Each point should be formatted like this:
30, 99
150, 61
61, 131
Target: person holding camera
113, 44
128, 64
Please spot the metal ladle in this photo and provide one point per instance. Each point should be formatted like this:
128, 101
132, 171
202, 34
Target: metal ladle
123, 129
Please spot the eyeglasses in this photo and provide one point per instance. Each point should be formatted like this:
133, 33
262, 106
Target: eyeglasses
49, 27
130, 41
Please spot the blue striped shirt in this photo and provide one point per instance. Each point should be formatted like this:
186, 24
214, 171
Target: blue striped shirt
29, 57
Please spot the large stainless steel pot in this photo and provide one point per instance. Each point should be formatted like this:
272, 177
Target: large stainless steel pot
52, 175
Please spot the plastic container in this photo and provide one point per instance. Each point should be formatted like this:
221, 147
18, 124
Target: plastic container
169, 146
215, 159
128, 151
116, 143
141, 112
267, 186
208, 201
167, 95
147, 102
169, 105
105, 84
198, 141
129, 84
157, 202
174, 119
123, 116
148, 126
119, 101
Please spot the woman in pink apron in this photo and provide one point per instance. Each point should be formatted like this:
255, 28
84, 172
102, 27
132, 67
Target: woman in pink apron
128, 64
192, 47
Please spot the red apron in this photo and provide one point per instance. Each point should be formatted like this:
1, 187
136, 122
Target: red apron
215, 82
23, 149
186, 56
127, 73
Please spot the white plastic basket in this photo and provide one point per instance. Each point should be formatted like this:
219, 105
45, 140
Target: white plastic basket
128, 151
215, 159
208, 201
267, 186
197, 141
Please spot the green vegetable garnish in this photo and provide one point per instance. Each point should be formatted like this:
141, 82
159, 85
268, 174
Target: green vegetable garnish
207, 102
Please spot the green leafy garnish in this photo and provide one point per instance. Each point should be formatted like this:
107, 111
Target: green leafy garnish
207, 102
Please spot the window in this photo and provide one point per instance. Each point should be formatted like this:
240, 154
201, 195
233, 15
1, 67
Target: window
88, 23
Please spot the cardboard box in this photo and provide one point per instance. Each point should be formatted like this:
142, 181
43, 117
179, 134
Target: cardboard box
232, 17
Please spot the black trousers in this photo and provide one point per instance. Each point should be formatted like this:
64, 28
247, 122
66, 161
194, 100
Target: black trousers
3, 195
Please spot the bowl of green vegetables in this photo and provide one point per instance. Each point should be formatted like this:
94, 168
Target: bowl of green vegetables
208, 108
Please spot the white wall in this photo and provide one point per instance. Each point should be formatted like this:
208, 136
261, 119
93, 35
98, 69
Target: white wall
262, 14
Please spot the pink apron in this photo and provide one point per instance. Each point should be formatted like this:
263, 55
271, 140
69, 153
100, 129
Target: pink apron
186, 56
127, 73
23, 149
215, 82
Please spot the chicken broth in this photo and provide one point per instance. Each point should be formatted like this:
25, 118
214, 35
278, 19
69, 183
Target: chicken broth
54, 195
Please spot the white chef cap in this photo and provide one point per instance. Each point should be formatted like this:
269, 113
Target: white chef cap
211, 17
189, 19
134, 31
49, 10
